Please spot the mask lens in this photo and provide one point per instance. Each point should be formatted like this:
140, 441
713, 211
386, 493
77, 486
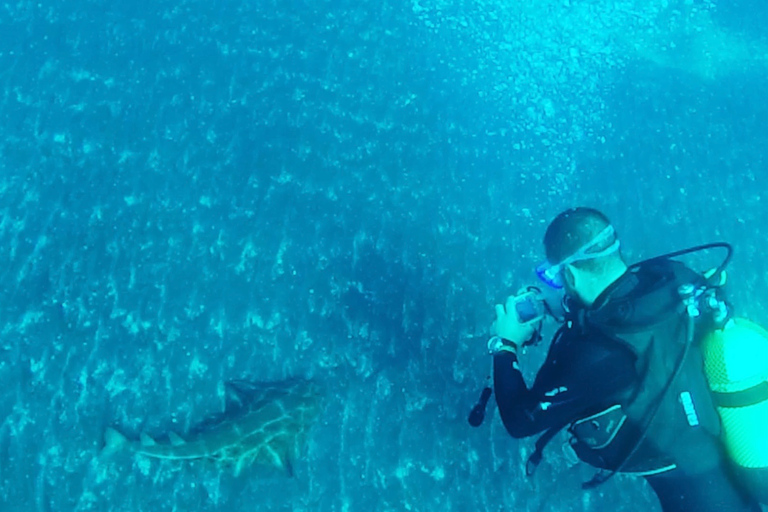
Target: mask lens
552, 275
549, 275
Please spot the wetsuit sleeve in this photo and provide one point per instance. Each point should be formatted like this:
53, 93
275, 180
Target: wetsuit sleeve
565, 388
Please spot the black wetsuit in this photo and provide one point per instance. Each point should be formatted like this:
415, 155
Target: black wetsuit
573, 384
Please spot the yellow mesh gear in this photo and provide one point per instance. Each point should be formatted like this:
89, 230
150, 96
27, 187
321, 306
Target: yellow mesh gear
736, 359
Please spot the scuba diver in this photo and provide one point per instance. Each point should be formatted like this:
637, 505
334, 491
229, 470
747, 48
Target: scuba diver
625, 373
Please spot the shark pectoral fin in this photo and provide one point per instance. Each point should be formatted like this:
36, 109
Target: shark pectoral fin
176, 439
146, 440
244, 386
239, 392
240, 464
234, 397
287, 463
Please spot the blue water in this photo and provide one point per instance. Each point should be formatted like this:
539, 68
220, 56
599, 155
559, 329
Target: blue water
197, 191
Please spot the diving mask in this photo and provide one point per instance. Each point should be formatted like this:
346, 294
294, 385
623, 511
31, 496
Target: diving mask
552, 275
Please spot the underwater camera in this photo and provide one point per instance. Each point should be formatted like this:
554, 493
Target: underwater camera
530, 306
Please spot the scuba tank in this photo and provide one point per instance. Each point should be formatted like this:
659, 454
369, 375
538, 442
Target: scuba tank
736, 367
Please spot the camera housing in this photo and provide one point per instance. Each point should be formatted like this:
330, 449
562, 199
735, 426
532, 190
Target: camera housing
530, 307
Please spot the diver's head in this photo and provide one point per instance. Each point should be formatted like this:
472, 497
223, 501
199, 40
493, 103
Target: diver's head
583, 254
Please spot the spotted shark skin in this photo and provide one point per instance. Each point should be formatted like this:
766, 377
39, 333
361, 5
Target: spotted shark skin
263, 423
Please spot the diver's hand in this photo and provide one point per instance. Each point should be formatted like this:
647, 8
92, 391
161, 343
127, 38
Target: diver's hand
508, 326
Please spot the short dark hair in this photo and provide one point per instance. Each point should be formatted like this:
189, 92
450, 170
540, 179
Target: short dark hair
572, 230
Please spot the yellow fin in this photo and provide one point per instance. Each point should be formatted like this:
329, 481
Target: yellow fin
176, 439
146, 440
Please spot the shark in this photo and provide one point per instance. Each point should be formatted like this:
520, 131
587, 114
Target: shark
264, 423
690, 40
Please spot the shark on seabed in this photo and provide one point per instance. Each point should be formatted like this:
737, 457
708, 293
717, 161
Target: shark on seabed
262, 423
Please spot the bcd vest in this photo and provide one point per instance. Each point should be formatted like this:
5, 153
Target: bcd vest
668, 419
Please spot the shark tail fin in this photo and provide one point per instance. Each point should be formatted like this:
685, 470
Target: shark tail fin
114, 441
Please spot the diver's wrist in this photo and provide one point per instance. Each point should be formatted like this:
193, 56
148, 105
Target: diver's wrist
497, 345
